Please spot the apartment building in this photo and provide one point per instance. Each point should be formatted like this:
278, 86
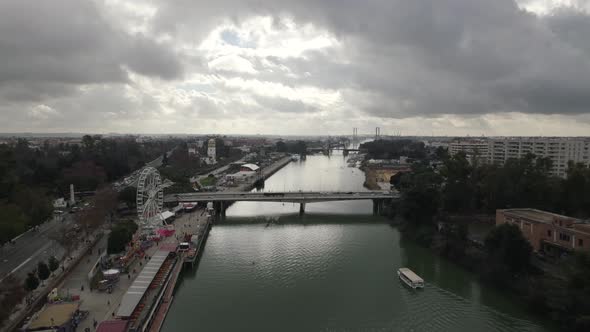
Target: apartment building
548, 232
559, 149
473, 148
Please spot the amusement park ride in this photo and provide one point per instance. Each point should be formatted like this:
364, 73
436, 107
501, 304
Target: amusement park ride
150, 197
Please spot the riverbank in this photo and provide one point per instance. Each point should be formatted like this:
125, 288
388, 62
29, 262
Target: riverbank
535, 289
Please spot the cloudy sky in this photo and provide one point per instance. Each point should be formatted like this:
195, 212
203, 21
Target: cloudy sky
427, 67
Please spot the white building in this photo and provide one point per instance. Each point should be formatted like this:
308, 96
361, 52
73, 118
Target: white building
560, 150
473, 148
211, 151
60, 203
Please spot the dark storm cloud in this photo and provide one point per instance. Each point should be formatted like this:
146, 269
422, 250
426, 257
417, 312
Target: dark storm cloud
69, 42
429, 57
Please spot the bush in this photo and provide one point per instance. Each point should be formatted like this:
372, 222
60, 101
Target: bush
508, 249
43, 271
31, 283
120, 235
53, 263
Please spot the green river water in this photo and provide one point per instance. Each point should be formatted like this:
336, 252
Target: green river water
334, 269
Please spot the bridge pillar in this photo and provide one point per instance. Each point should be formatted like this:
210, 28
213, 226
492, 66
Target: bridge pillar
376, 207
222, 209
301, 209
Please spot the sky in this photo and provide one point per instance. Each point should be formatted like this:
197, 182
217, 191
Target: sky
296, 67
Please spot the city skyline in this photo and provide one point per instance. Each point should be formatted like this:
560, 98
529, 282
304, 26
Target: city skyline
441, 68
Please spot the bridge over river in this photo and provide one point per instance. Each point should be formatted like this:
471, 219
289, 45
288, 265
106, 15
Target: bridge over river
225, 198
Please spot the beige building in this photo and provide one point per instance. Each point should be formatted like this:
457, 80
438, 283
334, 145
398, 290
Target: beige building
548, 232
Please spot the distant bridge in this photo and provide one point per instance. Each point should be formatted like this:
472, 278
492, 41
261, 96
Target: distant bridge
224, 198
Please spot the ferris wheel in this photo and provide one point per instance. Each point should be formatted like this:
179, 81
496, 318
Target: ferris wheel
150, 196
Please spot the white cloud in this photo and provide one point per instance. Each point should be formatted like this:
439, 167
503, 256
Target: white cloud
232, 63
42, 112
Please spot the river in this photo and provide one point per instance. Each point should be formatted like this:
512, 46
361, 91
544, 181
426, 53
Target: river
334, 269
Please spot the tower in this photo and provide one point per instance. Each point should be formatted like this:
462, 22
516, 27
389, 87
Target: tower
211, 150
72, 197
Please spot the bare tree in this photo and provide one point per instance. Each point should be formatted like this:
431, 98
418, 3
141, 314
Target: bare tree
65, 237
101, 207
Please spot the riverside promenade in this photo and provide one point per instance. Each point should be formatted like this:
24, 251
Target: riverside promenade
103, 306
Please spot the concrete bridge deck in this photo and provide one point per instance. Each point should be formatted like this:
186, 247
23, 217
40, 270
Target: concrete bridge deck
291, 197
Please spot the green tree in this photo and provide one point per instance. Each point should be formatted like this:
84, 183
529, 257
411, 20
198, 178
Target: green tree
88, 142
120, 236
128, 195
458, 194
43, 271
576, 190
420, 195
13, 221
507, 249
281, 146
53, 263
31, 283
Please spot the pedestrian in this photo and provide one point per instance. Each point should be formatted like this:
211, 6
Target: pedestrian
82, 288
94, 323
109, 303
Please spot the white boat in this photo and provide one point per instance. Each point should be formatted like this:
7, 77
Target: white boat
410, 278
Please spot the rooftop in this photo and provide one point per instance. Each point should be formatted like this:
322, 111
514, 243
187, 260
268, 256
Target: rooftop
536, 215
112, 326
141, 283
411, 275
252, 167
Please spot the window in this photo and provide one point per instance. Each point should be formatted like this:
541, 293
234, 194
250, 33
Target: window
549, 232
580, 243
564, 237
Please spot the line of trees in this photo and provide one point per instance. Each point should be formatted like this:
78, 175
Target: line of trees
461, 187
393, 149
31, 177
299, 147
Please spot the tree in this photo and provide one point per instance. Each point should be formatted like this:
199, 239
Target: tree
128, 195
12, 223
31, 283
165, 159
420, 195
43, 271
53, 263
88, 142
62, 236
281, 146
120, 236
458, 194
507, 249
12, 292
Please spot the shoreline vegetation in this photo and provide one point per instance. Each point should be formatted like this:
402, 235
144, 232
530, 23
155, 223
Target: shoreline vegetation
441, 188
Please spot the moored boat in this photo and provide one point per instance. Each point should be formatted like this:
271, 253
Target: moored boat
410, 278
